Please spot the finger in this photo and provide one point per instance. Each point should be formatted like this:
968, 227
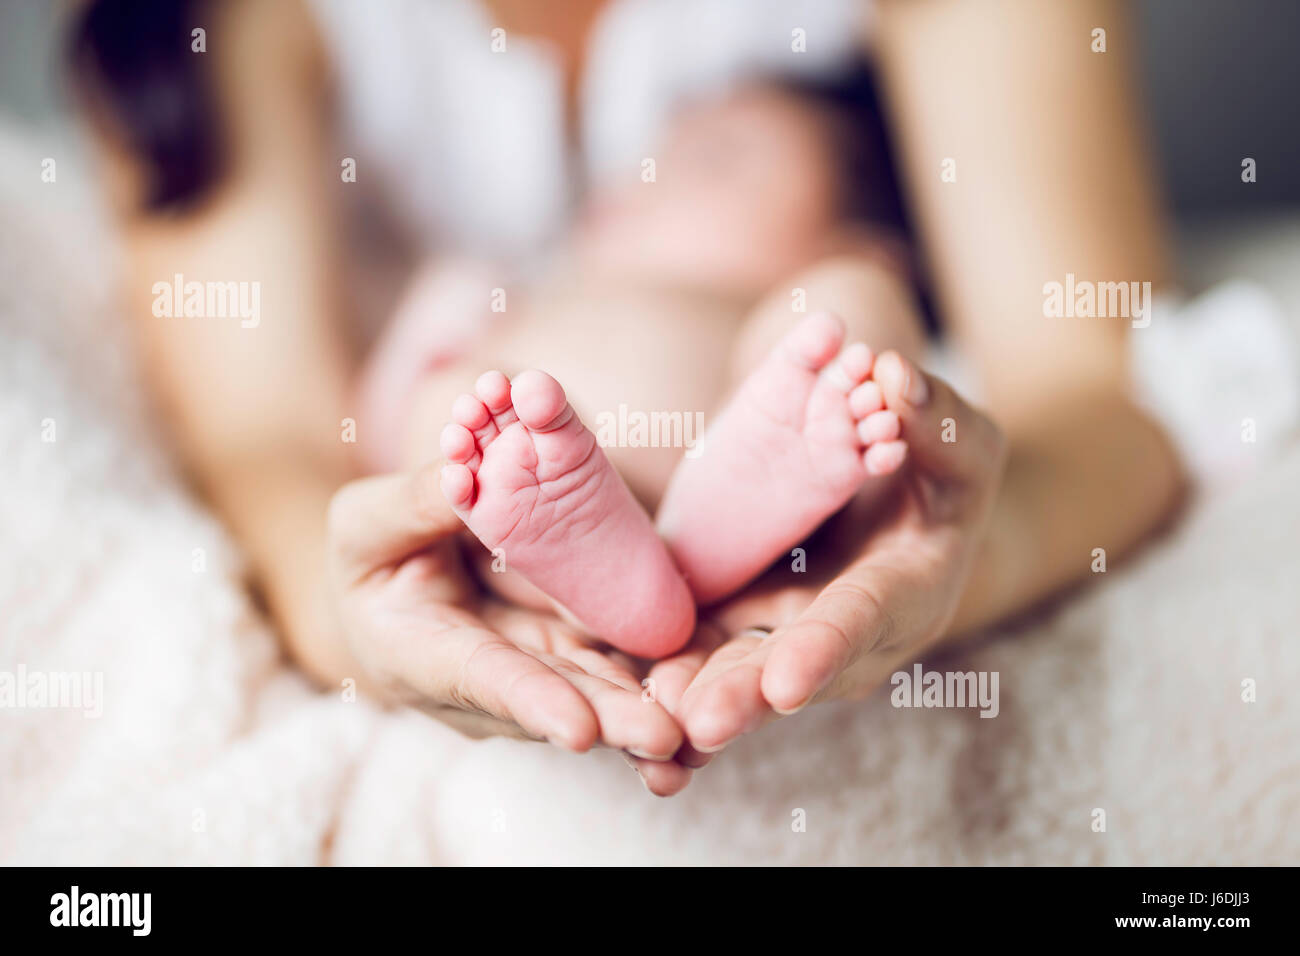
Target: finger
626, 719
693, 759
667, 682
752, 617
661, 779
725, 700
377, 521
668, 679
944, 434
609, 666
472, 669
845, 621
477, 726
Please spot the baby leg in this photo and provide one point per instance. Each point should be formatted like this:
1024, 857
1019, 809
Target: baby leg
803, 433
530, 482
875, 303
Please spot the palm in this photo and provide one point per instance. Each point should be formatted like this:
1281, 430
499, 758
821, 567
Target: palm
902, 563
487, 667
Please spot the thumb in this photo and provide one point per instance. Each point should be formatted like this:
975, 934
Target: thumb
945, 435
375, 522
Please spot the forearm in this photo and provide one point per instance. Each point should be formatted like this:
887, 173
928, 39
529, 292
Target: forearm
1086, 470
267, 452
1092, 472
274, 500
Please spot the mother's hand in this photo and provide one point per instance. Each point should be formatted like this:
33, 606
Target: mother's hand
894, 600
426, 637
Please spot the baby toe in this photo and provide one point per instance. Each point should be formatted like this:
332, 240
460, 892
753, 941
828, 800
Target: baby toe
814, 341
457, 443
885, 457
457, 483
851, 368
879, 426
493, 388
470, 412
865, 399
538, 399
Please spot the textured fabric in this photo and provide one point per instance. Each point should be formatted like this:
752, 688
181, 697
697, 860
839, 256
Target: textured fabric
1126, 697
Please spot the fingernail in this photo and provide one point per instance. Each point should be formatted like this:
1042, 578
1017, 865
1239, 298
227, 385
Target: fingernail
563, 741
639, 775
793, 710
916, 391
647, 755
710, 750
821, 685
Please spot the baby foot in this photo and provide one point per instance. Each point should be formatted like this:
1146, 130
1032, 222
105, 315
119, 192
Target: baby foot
528, 479
797, 441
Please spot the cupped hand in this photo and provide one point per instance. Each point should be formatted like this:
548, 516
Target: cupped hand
425, 636
787, 642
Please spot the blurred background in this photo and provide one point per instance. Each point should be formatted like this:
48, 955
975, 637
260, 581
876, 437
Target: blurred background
1218, 74
100, 542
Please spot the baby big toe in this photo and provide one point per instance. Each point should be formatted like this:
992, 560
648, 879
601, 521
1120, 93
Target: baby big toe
539, 400
814, 341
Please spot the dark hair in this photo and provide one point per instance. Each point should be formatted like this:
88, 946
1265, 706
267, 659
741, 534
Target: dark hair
133, 66
868, 188
868, 185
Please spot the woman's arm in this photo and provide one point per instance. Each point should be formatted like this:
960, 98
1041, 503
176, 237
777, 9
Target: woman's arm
377, 593
256, 412
1052, 178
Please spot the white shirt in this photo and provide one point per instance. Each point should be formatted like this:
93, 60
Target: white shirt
472, 142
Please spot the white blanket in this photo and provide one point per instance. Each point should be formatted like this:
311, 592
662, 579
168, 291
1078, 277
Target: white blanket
1127, 697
